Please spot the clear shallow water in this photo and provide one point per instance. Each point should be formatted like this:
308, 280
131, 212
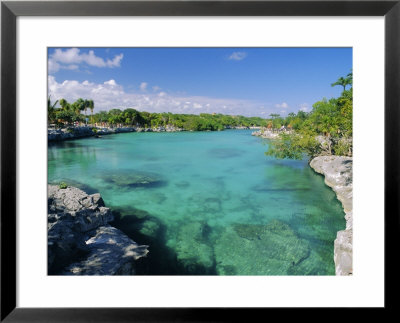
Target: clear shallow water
207, 202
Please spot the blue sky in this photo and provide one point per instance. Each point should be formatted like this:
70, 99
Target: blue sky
246, 81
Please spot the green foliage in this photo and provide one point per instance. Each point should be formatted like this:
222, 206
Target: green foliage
68, 112
327, 129
51, 110
343, 147
203, 122
294, 146
344, 81
63, 185
72, 112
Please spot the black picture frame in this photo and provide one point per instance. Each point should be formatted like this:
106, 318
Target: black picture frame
10, 10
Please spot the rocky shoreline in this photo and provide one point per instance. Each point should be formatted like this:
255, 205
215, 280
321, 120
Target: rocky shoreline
338, 172
265, 134
84, 132
80, 239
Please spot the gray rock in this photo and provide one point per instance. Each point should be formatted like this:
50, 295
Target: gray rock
111, 252
79, 233
344, 252
75, 132
97, 199
265, 133
338, 172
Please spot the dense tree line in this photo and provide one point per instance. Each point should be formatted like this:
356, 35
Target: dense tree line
70, 113
326, 130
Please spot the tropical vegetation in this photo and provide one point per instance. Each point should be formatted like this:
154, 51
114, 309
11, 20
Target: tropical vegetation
326, 130
70, 113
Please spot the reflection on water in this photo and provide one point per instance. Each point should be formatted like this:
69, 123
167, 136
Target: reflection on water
207, 203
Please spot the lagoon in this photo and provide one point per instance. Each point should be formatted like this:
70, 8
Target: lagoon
207, 203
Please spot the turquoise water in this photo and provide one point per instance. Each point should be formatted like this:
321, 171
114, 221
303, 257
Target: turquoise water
207, 202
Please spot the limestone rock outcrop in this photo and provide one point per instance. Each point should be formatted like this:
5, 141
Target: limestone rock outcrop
265, 133
80, 239
338, 172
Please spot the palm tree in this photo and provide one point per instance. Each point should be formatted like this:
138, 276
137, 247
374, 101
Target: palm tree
349, 78
77, 107
344, 81
81, 105
91, 107
64, 104
50, 109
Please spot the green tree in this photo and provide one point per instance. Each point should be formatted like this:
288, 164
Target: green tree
343, 81
78, 106
294, 146
327, 129
51, 113
64, 104
91, 107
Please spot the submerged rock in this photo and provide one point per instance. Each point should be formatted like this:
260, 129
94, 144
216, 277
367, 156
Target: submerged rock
182, 184
264, 187
133, 179
192, 250
271, 249
80, 240
149, 227
338, 172
225, 153
314, 224
130, 211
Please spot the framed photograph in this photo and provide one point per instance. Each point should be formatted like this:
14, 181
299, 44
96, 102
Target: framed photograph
194, 152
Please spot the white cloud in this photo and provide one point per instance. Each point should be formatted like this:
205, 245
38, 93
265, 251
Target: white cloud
72, 67
116, 61
237, 56
143, 86
70, 59
110, 82
304, 107
52, 66
282, 105
156, 88
110, 94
